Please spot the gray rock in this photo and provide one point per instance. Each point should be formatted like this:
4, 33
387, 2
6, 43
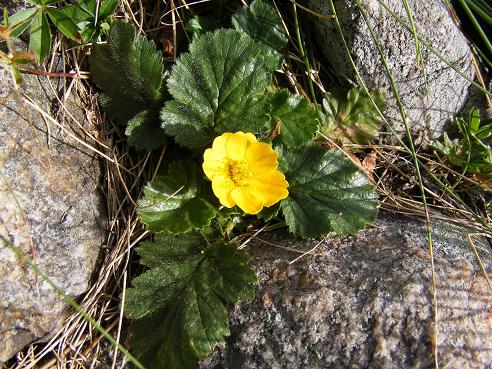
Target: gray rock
364, 302
429, 98
49, 208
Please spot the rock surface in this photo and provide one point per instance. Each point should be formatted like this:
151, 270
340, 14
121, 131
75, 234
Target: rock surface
49, 208
429, 98
364, 302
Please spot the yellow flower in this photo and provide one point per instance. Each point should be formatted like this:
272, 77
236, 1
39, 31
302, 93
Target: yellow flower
244, 172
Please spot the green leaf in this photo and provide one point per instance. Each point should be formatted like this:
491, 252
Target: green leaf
144, 131
40, 37
64, 24
327, 192
23, 57
175, 203
90, 33
16, 74
169, 249
88, 6
298, 121
219, 86
160, 342
181, 302
474, 120
351, 116
447, 147
78, 13
269, 213
21, 20
107, 8
484, 131
262, 23
129, 70
200, 24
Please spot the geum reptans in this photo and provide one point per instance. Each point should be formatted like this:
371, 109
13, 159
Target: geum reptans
244, 172
253, 154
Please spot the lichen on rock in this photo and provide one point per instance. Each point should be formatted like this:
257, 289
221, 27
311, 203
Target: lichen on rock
49, 208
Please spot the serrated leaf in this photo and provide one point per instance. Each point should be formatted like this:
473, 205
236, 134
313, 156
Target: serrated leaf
175, 203
351, 116
327, 192
268, 214
21, 20
218, 87
184, 299
144, 131
169, 249
160, 343
64, 24
40, 37
296, 119
129, 70
262, 23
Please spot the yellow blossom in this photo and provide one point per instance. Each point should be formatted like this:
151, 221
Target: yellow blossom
244, 172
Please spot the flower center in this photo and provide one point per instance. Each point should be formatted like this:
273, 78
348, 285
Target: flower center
238, 172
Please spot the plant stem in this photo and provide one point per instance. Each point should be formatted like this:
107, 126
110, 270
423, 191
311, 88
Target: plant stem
301, 46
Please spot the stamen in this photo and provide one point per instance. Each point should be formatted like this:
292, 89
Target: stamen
238, 172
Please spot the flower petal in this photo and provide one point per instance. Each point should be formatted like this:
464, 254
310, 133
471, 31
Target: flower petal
219, 144
222, 187
246, 201
237, 144
213, 163
261, 157
269, 188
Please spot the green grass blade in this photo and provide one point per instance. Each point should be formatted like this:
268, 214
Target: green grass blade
477, 26
483, 10
301, 46
414, 32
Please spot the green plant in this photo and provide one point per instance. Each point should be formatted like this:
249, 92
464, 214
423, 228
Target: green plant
130, 71
93, 17
40, 32
351, 116
81, 22
476, 16
15, 60
222, 85
470, 152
